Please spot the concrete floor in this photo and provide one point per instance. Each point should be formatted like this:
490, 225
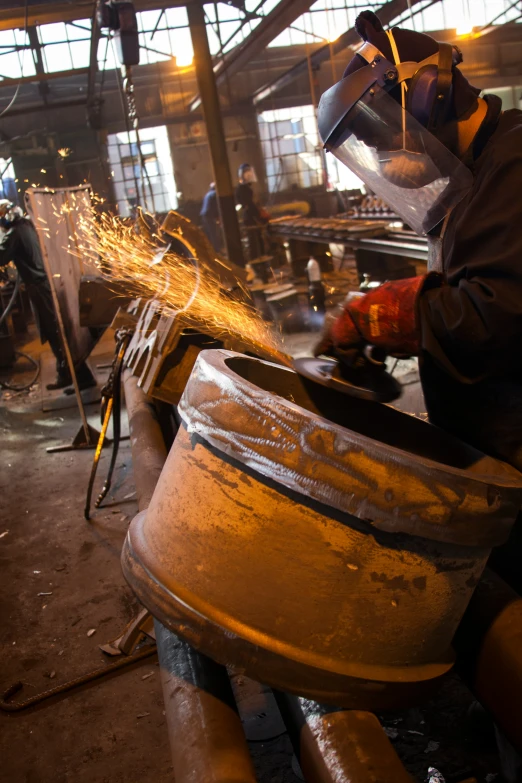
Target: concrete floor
98, 734
60, 578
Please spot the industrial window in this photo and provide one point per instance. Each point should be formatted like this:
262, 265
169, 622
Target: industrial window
152, 186
164, 34
327, 19
65, 46
291, 148
228, 26
340, 177
461, 15
16, 57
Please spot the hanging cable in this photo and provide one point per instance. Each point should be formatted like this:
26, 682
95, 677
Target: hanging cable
15, 96
127, 123
11, 302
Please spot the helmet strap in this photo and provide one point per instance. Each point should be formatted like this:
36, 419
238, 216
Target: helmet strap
404, 88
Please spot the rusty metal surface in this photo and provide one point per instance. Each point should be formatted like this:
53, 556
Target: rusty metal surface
332, 229
398, 473
164, 349
294, 594
489, 647
304, 642
300, 594
99, 300
337, 746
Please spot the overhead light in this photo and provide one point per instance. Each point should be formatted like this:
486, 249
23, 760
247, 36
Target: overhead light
465, 27
184, 57
464, 24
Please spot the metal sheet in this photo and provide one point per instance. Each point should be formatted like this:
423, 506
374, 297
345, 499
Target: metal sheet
392, 470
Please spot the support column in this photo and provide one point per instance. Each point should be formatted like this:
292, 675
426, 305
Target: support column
215, 132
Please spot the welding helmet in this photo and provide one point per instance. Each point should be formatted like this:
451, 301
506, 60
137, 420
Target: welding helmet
246, 173
381, 121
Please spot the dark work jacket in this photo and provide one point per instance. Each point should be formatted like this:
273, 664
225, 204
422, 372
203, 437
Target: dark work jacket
245, 198
471, 357
21, 246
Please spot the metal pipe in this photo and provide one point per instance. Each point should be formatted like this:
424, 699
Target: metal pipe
333, 745
206, 736
205, 732
215, 132
489, 652
147, 444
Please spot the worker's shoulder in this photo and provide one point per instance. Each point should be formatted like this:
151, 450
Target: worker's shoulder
24, 224
506, 143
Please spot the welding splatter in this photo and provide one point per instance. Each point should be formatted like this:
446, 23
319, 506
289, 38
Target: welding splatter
187, 288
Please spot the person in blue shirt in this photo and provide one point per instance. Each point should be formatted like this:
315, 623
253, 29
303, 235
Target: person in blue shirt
210, 218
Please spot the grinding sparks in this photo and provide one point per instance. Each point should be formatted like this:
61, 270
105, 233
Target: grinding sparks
186, 287
64, 152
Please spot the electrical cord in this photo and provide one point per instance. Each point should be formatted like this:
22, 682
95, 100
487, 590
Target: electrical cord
15, 96
11, 302
26, 386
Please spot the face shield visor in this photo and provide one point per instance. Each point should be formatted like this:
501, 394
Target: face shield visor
385, 146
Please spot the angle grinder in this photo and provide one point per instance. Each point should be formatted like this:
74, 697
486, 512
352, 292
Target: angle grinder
358, 373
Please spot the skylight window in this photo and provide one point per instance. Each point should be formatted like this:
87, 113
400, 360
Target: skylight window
16, 57
65, 46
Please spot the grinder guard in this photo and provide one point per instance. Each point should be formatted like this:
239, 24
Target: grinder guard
393, 154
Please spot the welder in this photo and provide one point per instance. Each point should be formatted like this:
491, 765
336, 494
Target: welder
20, 245
253, 215
449, 162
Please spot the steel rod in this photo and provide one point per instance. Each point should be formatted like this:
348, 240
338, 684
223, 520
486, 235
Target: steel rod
335, 745
205, 732
489, 652
147, 443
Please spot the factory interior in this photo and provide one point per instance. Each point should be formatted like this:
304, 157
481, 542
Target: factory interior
260, 469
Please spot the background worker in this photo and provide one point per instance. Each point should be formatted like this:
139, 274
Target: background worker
20, 245
464, 318
210, 218
254, 216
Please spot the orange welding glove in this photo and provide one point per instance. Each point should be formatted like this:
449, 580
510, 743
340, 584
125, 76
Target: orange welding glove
386, 317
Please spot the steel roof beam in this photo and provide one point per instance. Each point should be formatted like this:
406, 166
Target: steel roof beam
386, 14
274, 23
46, 13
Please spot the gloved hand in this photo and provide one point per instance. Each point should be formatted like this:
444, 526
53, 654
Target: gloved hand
339, 330
386, 317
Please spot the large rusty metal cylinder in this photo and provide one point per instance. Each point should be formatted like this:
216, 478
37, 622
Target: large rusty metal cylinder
324, 545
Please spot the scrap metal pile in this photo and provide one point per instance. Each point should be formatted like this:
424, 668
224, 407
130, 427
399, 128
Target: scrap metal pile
335, 230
